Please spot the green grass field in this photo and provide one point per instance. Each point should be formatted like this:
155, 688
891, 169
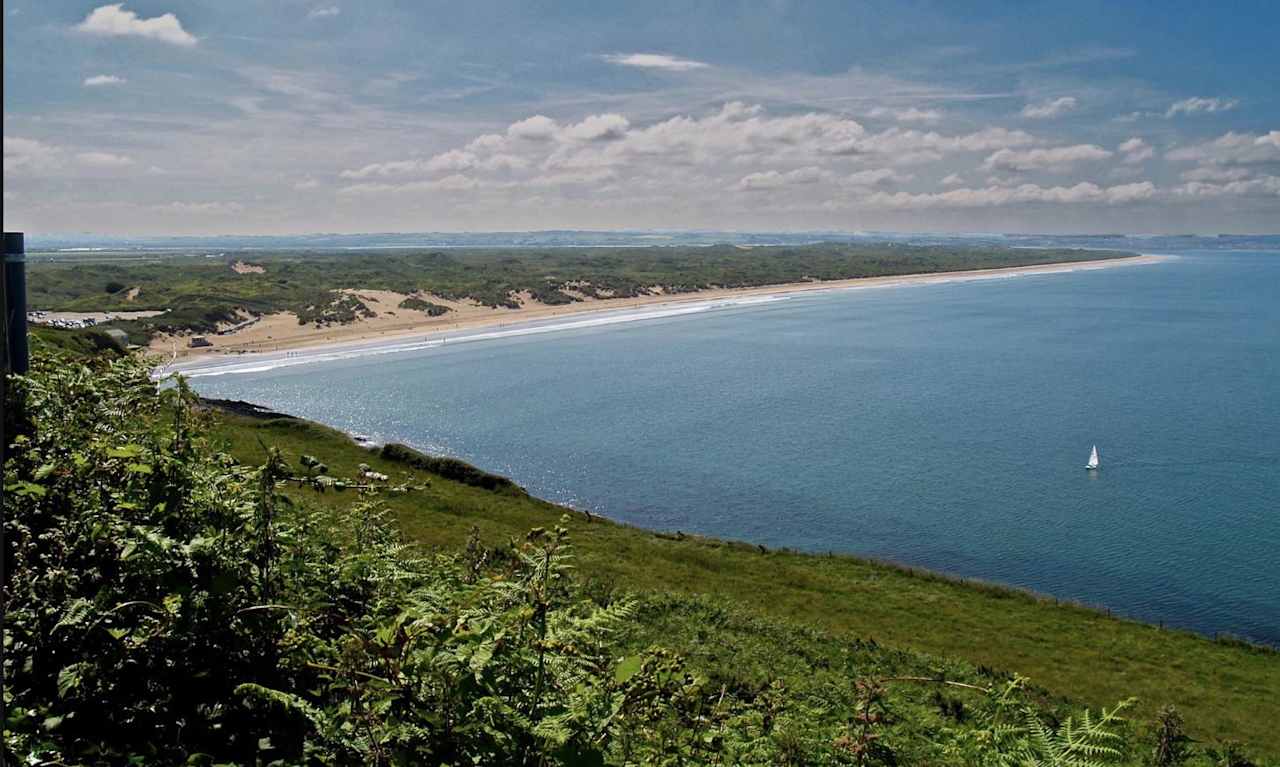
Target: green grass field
1227, 690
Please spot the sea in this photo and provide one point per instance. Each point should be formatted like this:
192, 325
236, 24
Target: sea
941, 425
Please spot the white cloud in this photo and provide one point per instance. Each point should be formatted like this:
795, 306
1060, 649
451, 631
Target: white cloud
454, 183
567, 178
598, 128
1195, 105
909, 147
314, 89
306, 184
952, 179
699, 155
115, 21
1263, 186
997, 196
1135, 150
1049, 109
324, 12
1216, 174
210, 208
1232, 148
24, 154
654, 61
536, 128
908, 115
876, 177
489, 142
393, 168
103, 160
773, 179
98, 81
1055, 159
453, 160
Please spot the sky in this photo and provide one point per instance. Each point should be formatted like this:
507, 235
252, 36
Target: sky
288, 117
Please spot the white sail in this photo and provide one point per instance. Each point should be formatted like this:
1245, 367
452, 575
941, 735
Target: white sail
1093, 459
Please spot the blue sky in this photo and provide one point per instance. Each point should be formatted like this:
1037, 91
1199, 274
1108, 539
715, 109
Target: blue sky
168, 117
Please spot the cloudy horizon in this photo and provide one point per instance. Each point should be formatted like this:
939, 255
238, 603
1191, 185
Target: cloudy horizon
168, 117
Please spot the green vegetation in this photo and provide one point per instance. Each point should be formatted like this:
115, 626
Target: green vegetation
77, 341
189, 586
198, 293
449, 468
417, 304
335, 309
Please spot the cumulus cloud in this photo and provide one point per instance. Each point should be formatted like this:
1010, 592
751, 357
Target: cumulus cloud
995, 196
306, 184
1049, 109
573, 177
204, 208
908, 115
773, 179
324, 12
661, 61
1216, 174
104, 160
454, 160
1135, 150
1054, 159
98, 81
1196, 105
1263, 186
910, 147
536, 128
115, 21
876, 177
805, 158
1232, 148
598, 128
455, 182
392, 168
24, 154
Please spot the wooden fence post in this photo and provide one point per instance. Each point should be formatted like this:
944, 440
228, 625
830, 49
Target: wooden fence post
16, 357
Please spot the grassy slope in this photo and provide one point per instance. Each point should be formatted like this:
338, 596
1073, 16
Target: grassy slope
1225, 691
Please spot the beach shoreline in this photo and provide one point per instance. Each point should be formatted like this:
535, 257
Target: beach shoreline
280, 333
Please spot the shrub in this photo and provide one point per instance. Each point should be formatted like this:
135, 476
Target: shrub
449, 468
429, 308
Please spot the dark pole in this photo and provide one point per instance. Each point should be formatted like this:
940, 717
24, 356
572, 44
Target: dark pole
15, 303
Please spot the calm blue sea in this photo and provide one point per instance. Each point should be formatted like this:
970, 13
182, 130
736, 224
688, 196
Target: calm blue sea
945, 426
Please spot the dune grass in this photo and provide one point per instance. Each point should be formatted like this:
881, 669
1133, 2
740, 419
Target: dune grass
1227, 690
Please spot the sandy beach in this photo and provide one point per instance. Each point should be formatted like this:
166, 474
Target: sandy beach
281, 332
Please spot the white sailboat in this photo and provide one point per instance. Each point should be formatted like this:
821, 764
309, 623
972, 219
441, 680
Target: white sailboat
1093, 459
